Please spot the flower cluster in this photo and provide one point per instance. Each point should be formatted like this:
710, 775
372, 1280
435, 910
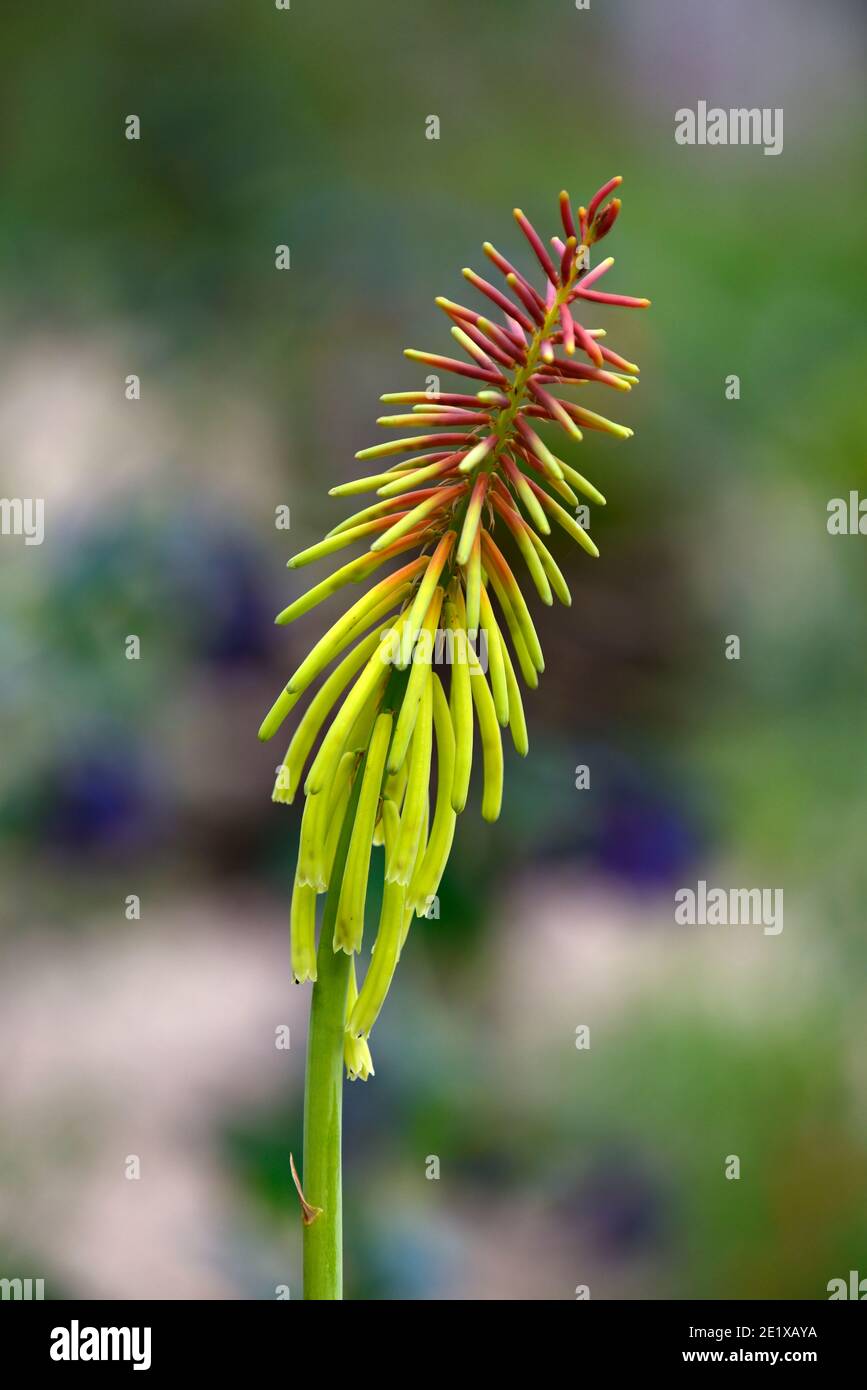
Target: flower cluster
401, 700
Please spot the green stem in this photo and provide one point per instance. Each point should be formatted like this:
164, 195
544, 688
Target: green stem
323, 1093
323, 1082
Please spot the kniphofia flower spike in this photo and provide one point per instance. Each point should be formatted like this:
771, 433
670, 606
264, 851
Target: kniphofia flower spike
425, 664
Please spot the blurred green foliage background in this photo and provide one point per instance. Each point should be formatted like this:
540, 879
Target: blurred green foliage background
156, 1037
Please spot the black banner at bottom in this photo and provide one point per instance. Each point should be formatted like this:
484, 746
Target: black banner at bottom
164, 1338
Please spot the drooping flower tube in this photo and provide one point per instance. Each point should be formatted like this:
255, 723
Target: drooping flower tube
419, 675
